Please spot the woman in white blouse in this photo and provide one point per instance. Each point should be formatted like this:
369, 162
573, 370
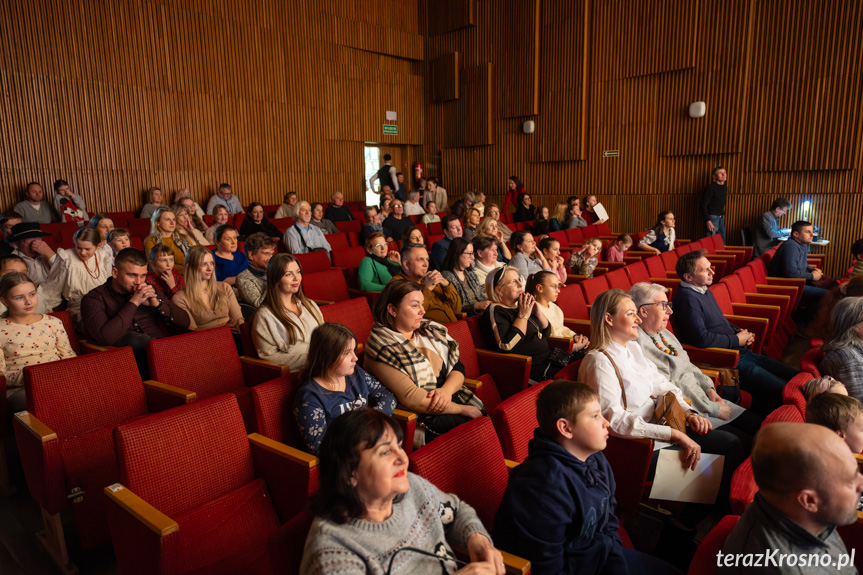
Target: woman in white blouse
283, 325
87, 267
615, 365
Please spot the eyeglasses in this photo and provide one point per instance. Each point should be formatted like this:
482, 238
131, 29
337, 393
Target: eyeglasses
556, 286
665, 304
470, 254
376, 246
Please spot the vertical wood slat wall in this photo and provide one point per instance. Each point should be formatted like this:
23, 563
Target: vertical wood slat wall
782, 80
271, 96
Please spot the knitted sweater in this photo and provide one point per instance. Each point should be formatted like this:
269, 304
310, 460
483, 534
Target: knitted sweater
422, 519
698, 320
471, 291
251, 286
845, 365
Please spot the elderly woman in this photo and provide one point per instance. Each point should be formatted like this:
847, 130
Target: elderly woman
629, 384
380, 265
485, 257
418, 361
318, 219
663, 349
374, 516
493, 212
457, 270
843, 350
660, 238
527, 258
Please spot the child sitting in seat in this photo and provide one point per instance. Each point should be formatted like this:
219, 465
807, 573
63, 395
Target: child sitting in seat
162, 275
825, 384
558, 509
839, 413
618, 248
119, 239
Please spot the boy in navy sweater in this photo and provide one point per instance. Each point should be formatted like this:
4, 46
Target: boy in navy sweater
558, 509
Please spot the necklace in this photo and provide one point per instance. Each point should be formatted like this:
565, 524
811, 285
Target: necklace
538, 331
668, 349
98, 271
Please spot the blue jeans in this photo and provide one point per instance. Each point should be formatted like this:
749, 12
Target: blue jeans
764, 378
718, 227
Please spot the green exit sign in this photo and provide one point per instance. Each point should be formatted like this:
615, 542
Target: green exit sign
391, 130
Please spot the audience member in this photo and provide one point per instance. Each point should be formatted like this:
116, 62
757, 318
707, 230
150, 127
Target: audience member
85, 270
412, 205
441, 301
460, 207
396, 223
282, 328
230, 262
620, 246
44, 267
387, 175
252, 282
457, 270
515, 323
413, 237
485, 257
514, 188
766, 232
840, 414
550, 250
195, 209
386, 208
362, 525
69, 205
524, 211
256, 221
221, 216
379, 266
8, 220
163, 228
337, 210
372, 225
287, 209
713, 200
162, 275
843, 349
494, 213
567, 477
126, 310
491, 228
225, 197
588, 214
545, 288
808, 484
700, 322
557, 222
540, 224
629, 385
472, 219
34, 209
320, 221
853, 288
303, 237
451, 229
823, 384
400, 186
10, 263
333, 384
418, 361
856, 269
209, 303
789, 261
575, 217
186, 227
431, 214
103, 224
196, 221
155, 201
435, 193
660, 238
526, 257
29, 337
480, 203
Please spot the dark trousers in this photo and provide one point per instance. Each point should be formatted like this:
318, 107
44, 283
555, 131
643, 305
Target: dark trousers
809, 303
644, 564
764, 378
138, 343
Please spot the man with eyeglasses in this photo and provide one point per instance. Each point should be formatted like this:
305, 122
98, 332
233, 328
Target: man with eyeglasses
699, 321
396, 223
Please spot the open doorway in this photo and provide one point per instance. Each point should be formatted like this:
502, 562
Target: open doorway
373, 158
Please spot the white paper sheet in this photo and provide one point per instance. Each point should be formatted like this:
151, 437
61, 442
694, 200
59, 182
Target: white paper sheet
600, 212
674, 483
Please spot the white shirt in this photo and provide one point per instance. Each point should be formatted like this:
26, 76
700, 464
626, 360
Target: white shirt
643, 384
414, 209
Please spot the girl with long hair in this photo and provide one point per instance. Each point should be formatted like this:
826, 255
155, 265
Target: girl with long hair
209, 303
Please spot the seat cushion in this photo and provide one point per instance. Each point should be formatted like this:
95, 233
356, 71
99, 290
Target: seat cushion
226, 535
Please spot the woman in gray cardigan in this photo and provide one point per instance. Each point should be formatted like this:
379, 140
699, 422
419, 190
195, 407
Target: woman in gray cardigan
666, 352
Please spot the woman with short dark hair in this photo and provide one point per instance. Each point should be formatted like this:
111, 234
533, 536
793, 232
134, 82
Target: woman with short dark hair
256, 222
457, 269
379, 266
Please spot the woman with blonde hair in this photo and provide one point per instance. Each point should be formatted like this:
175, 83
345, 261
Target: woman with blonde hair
491, 228
183, 194
283, 325
493, 211
155, 200
221, 216
558, 217
186, 226
163, 229
208, 302
471, 221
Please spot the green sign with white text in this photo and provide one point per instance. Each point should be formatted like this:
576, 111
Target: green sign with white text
391, 130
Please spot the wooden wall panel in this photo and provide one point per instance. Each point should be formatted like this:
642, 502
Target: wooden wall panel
451, 15
471, 117
116, 97
518, 59
444, 78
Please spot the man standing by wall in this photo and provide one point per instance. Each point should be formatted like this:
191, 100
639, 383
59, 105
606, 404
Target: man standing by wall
386, 174
713, 203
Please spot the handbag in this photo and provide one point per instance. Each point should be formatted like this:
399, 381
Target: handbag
667, 412
729, 383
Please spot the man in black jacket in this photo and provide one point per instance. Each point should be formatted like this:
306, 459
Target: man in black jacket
713, 200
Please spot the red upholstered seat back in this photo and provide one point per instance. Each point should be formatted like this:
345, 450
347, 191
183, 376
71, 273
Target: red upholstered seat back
669, 259
326, 286
349, 226
743, 488
784, 413
460, 332
313, 262
571, 301
655, 267
69, 326
593, 287
515, 420
759, 270
83, 393
184, 457
247, 341
575, 235
338, 241
467, 461
704, 560
205, 362
684, 248
811, 361
273, 403
723, 298
792, 393
637, 272
618, 279
352, 313
747, 278
479, 341
735, 288
604, 229
349, 258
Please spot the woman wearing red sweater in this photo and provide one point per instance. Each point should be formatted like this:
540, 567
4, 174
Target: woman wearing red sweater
514, 189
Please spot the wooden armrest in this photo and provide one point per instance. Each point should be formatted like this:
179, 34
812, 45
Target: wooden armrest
278, 369
402, 415
743, 319
173, 391
321, 302
859, 458
284, 451
575, 278
598, 271
90, 347
611, 265
472, 384
563, 343
762, 298
580, 326
710, 373
510, 464
712, 356
514, 565
787, 281
149, 516
488, 352
32, 424
757, 306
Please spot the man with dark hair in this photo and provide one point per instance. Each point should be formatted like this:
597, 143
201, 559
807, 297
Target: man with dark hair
126, 310
69, 205
8, 220
699, 321
44, 266
400, 184
252, 281
442, 302
808, 484
789, 261
713, 200
766, 232
451, 230
337, 211
225, 197
386, 174
34, 208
